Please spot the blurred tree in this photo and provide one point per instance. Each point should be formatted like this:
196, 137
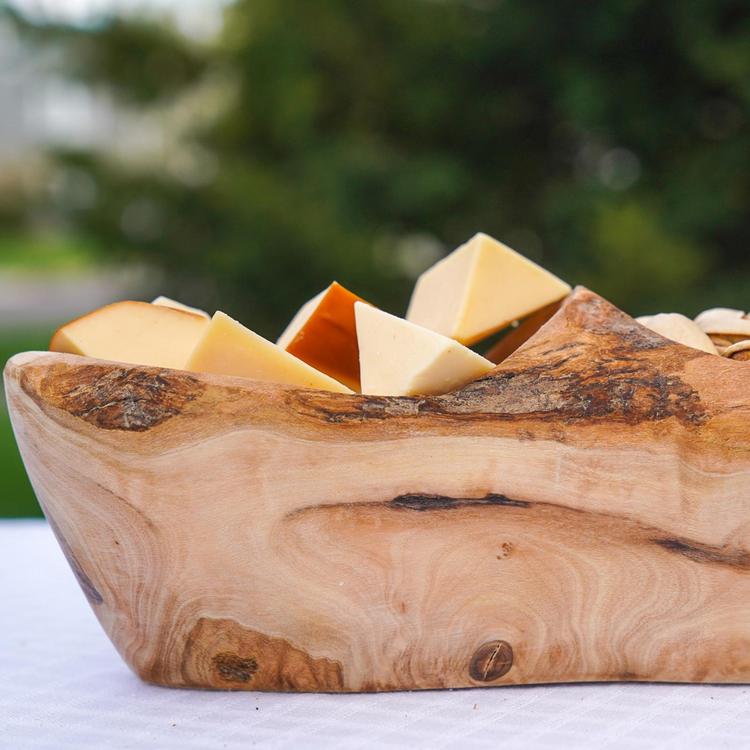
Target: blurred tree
328, 139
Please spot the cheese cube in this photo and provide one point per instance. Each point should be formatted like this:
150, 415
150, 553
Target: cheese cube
133, 332
324, 334
228, 348
399, 358
480, 288
167, 302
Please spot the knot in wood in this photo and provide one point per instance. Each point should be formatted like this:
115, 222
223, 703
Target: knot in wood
233, 668
491, 661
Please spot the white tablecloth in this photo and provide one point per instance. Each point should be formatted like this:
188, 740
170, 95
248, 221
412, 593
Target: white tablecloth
62, 685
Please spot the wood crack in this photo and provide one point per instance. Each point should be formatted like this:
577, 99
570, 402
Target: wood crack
704, 553
421, 502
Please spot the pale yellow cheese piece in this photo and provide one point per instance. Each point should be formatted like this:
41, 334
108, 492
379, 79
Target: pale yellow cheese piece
399, 358
168, 302
480, 288
228, 348
133, 332
724, 321
680, 329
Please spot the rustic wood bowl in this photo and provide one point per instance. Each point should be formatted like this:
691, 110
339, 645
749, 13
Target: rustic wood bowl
581, 513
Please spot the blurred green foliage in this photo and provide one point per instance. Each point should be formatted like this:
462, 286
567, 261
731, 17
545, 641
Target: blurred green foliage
16, 496
609, 141
22, 253
18, 499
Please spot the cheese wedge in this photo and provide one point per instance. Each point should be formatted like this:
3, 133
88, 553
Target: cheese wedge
133, 332
167, 302
324, 334
228, 348
680, 329
399, 358
480, 288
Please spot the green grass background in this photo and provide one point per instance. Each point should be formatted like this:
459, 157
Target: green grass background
16, 496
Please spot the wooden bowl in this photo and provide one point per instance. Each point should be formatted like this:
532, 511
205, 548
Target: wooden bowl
581, 513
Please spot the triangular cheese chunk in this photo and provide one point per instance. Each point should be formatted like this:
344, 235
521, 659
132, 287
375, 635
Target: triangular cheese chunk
173, 303
399, 358
133, 332
324, 334
480, 288
228, 348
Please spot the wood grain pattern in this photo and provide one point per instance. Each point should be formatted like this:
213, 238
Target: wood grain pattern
580, 513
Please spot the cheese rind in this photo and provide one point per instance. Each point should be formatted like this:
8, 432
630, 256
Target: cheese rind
300, 318
324, 334
399, 358
174, 304
133, 332
229, 348
479, 288
678, 328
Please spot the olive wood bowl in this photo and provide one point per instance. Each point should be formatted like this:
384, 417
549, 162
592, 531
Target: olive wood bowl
581, 513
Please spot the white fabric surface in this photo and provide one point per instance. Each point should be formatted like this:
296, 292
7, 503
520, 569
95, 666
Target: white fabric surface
62, 685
